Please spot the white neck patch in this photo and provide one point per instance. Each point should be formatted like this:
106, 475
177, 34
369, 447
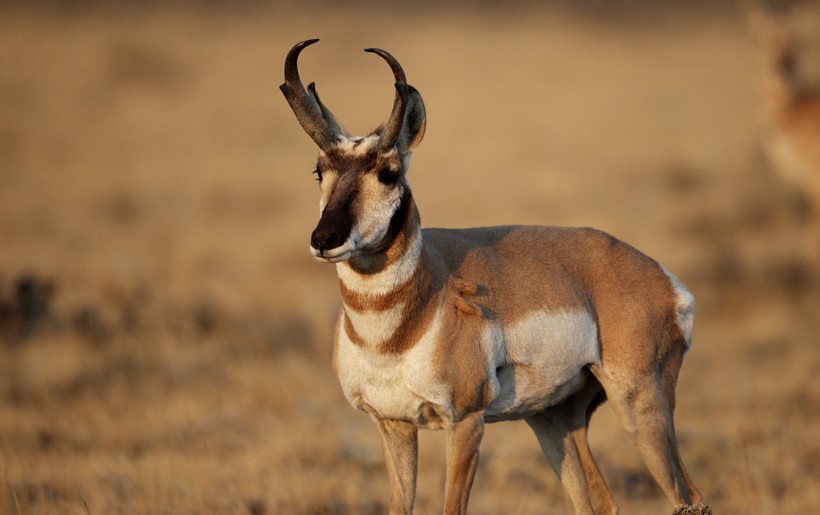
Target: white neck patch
384, 282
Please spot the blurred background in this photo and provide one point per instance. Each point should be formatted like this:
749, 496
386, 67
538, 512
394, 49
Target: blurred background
165, 335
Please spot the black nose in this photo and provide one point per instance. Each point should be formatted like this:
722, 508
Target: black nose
324, 240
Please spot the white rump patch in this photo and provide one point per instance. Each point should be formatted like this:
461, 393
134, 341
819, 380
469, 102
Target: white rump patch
684, 307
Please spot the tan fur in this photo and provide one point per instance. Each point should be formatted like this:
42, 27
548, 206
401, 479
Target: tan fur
400, 443
454, 328
501, 274
791, 103
561, 431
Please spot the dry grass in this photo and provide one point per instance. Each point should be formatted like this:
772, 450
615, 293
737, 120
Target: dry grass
165, 336
697, 509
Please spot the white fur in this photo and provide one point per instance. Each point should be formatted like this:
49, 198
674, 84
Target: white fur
544, 355
541, 359
388, 279
393, 386
349, 144
373, 223
684, 307
329, 180
375, 327
371, 226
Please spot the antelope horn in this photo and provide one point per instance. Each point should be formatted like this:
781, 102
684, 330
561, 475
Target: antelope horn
393, 126
307, 112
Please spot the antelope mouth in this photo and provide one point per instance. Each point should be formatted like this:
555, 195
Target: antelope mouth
336, 255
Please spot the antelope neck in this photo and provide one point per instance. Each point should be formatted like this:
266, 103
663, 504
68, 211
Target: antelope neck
379, 280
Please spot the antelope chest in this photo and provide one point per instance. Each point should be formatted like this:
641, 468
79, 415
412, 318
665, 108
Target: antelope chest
394, 386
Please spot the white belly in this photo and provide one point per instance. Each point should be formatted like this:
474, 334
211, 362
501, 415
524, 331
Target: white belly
544, 359
531, 364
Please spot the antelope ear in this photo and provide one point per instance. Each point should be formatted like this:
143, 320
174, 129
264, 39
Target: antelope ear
326, 114
415, 122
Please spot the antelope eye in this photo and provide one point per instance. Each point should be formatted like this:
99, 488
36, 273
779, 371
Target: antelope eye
318, 173
388, 176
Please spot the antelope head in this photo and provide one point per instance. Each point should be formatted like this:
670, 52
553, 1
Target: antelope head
364, 191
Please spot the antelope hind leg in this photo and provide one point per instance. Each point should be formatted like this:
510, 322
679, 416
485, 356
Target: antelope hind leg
644, 402
562, 434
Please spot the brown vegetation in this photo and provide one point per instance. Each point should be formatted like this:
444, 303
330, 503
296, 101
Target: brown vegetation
164, 334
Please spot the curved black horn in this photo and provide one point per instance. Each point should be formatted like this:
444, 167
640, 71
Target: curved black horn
394, 123
398, 72
307, 112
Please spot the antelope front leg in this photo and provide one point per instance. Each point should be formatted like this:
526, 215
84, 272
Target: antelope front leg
463, 440
400, 444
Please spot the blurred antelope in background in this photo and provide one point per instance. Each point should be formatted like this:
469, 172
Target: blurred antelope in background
451, 329
789, 44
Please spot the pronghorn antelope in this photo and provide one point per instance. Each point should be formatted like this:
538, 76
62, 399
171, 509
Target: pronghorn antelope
791, 106
451, 329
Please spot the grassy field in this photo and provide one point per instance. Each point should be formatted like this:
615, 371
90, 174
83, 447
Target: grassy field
165, 336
